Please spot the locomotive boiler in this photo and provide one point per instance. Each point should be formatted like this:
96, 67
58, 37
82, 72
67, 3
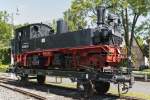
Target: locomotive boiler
89, 56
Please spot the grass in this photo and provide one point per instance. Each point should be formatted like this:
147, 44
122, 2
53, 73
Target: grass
146, 70
3, 68
143, 72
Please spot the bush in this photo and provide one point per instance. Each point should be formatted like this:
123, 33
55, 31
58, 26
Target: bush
3, 68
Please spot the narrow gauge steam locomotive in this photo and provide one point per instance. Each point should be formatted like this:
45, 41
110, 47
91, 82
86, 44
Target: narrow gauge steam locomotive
87, 56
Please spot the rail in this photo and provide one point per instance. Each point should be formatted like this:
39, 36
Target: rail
20, 90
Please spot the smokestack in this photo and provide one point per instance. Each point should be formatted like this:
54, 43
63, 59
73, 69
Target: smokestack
61, 26
100, 15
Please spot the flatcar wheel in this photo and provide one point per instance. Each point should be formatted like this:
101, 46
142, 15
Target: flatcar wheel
85, 89
41, 79
102, 87
24, 78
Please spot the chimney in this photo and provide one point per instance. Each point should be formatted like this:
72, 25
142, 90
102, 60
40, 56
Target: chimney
61, 26
100, 15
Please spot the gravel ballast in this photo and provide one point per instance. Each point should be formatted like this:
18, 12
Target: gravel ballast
6, 94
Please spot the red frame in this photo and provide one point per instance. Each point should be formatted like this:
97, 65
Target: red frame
80, 56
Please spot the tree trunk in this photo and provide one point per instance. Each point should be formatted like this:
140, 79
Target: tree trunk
131, 42
128, 37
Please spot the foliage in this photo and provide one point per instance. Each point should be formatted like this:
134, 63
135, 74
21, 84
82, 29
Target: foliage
5, 29
124, 63
71, 18
83, 11
144, 29
3, 68
144, 47
20, 25
146, 50
130, 11
80, 13
140, 40
5, 54
5, 36
53, 24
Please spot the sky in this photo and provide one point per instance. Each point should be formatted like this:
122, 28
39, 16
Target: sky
34, 11
37, 11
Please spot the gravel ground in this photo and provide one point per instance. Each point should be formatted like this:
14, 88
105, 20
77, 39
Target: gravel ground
6, 94
143, 87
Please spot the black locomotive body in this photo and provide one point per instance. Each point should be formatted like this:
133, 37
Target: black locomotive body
40, 37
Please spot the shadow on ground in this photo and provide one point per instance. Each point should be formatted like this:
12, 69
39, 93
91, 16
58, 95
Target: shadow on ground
61, 91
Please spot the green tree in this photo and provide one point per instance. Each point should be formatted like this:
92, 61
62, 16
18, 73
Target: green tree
140, 40
129, 10
53, 24
144, 29
144, 47
135, 9
5, 29
80, 13
20, 25
5, 36
74, 20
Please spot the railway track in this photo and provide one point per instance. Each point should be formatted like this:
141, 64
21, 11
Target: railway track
23, 92
5, 82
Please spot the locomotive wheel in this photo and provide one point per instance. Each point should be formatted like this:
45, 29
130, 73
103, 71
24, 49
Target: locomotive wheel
102, 87
41, 79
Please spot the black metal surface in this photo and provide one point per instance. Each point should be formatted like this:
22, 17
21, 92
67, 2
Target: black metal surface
100, 15
40, 37
61, 26
99, 76
64, 40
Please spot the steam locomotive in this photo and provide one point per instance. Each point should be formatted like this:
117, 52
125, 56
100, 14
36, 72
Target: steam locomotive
82, 55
